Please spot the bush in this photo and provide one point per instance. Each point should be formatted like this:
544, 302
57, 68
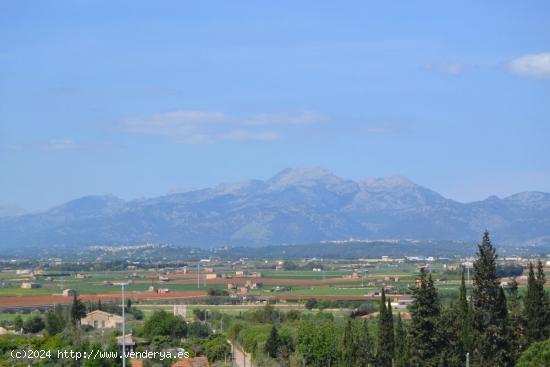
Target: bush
311, 303
216, 348
198, 329
34, 324
537, 355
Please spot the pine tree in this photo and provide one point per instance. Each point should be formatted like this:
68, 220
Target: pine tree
385, 353
487, 309
424, 335
401, 350
272, 344
99, 306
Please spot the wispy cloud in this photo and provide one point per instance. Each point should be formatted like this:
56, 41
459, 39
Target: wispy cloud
202, 127
452, 69
56, 145
48, 145
380, 129
533, 65
304, 118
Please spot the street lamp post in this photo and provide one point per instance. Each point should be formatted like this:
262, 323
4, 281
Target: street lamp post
123, 326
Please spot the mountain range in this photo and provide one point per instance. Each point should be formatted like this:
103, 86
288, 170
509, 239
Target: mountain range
296, 206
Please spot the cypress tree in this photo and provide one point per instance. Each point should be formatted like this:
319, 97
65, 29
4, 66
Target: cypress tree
425, 312
364, 346
272, 344
347, 357
541, 279
78, 311
401, 350
464, 318
503, 337
517, 337
534, 305
385, 333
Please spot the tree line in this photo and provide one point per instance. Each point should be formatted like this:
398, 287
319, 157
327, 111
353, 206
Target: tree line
487, 326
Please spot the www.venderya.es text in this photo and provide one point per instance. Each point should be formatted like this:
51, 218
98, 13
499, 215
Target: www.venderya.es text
96, 354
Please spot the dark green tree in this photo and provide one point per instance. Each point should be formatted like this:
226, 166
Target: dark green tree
541, 279
487, 309
424, 335
272, 343
162, 323
54, 321
347, 353
33, 324
311, 303
401, 347
386, 345
365, 355
78, 311
518, 341
18, 323
534, 306
449, 327
464, 314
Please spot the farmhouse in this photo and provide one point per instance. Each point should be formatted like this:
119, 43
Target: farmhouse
101, 320
213, 276
29, 285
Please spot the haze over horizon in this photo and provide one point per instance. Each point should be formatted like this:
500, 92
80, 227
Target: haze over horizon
137, 99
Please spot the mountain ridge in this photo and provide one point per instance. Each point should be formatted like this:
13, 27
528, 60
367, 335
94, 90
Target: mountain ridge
294, 206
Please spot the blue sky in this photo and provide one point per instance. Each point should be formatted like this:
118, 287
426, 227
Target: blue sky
136, 98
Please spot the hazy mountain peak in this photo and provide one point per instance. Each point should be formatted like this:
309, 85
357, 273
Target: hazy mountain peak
295, 206
235, 187
91, 203
387, 182
306, 176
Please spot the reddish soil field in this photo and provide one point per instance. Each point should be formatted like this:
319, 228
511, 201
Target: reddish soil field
25, 301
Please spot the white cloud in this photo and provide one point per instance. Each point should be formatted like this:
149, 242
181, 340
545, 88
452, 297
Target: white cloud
453, 69
534, 65
203, 127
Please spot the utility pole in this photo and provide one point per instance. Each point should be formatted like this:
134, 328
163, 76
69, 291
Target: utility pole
467, 359
123, 326
198, 275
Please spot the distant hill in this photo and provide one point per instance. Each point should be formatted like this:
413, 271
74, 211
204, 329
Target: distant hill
296, 206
